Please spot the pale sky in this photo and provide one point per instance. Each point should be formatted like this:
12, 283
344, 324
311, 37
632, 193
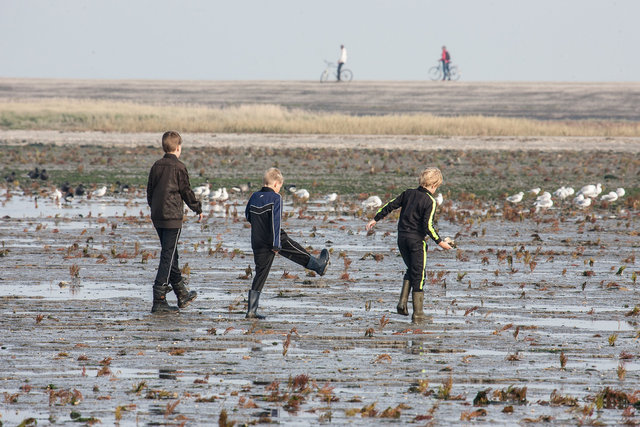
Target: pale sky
490, 40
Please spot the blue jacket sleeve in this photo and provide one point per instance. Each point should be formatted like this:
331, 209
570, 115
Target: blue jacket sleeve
276, 217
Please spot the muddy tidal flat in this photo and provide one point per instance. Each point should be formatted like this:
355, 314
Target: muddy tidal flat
535, 318
535, 314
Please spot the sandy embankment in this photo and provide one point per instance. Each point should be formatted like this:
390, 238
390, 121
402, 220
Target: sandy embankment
630, 145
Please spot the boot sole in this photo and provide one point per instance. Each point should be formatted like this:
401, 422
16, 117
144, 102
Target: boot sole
164, 311
324, 270
255, 316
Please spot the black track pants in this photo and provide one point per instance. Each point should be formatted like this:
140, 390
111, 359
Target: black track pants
168, 270
264, 258
414, 254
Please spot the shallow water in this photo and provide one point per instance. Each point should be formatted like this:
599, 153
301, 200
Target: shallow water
347, 339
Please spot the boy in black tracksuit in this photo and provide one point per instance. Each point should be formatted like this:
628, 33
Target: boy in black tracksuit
168, 188
415, 223
264, 212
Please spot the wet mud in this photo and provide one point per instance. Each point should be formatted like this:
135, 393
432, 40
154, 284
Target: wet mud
535, 318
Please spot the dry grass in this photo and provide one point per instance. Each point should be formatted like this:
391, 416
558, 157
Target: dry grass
117, 116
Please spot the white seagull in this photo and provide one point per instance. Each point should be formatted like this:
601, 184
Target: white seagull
56, 195
563, 192
516, 198
620, 191
301, 194
591, 190
330, 197
439, 198
544, 196
543, 203
372, 202
535, 191
224, 196
611, 197
581, 201
100, 191
216, 194
202, 191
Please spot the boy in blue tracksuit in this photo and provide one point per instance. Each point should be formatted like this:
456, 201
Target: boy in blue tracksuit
415, 224
264, 212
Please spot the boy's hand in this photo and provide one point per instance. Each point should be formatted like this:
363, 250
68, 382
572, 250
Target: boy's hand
370, 224
444, 245
200, 216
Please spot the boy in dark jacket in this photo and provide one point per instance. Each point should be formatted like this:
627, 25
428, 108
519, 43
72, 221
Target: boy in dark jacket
168, 188
264, 212
415, 223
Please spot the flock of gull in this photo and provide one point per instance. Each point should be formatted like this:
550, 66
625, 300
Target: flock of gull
583, 198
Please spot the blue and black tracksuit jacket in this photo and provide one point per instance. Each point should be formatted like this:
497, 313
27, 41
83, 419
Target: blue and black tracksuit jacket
264, 212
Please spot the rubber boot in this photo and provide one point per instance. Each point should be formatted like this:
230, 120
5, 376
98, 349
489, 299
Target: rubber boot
320, 264
254, 299
418, 315
185, 296
404, 299
160, 304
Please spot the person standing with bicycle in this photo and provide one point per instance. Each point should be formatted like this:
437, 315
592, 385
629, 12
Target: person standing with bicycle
342, 59
446, 58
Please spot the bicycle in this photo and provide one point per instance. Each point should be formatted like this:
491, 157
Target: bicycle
346, 75
436, 72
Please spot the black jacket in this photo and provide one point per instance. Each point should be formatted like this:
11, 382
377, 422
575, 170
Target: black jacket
168, 186
416, 217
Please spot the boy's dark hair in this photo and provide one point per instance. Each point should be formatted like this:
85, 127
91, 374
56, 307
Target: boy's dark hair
170, 141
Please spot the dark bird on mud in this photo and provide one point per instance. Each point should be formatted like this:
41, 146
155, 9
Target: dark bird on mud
10, 177
80, 190
242, 188
67, 192
65, 188
121, 188
291, 188
34, 174
44, 175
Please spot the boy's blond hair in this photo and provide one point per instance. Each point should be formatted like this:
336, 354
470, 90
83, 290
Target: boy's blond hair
170, 141
271, 176
430, 176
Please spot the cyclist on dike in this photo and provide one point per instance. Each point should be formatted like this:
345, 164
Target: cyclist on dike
446, 58
342, 59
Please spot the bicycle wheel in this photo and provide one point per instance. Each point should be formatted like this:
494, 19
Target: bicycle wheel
346, 75
324, 77
454, 73
435, 73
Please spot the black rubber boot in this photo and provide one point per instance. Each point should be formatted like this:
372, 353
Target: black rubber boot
320, 264
404, 299
254, 299
418, 315
185, 296
160, 304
